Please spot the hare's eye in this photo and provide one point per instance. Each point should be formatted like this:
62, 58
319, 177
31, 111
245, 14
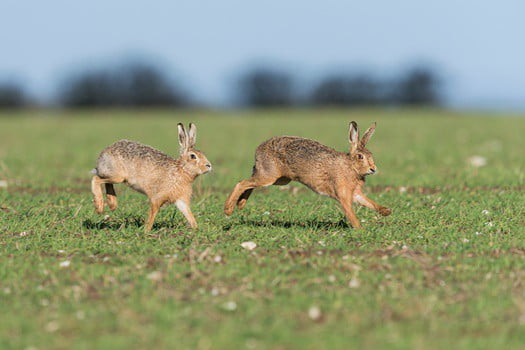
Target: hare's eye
193, 156
359, 156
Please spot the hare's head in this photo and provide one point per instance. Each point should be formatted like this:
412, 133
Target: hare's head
362, 159
195, 162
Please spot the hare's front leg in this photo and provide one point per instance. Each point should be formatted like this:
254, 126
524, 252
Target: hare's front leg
360, 198
184, 207
344, 197
350, 214
153, 210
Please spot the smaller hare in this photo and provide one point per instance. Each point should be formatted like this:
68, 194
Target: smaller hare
149, 171
326, 171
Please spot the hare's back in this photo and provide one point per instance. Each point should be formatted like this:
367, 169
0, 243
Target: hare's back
133, 156
290, 148
132, 150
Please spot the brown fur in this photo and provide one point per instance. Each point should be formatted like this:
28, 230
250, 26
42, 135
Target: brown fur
326, 171
151, 172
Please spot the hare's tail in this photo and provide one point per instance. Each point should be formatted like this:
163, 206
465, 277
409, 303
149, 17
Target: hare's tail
94, 171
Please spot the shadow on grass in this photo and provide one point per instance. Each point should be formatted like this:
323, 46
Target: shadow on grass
132, 221
310, 224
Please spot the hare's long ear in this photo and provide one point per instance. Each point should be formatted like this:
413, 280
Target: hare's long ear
368, 134
183, 138
353, 136
192, 135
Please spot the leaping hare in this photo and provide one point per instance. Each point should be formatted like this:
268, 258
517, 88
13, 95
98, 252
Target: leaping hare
151, 172
326, 171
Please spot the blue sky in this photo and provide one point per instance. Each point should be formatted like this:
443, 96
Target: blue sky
478, 45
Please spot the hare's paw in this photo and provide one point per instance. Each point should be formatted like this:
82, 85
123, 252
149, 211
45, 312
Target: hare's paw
99, 206
241, 203
385, 211
112, 202
228, 208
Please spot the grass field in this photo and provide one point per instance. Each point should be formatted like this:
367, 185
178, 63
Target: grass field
445, 270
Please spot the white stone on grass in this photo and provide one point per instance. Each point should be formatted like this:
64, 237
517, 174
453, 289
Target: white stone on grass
154, 276
477, 161
249, 245
314, 313
229, 306
354, 283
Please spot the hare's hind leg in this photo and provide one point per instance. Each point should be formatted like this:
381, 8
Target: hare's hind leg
241, 202
243, 189
111, 196
238, 190
96, 189
243, 198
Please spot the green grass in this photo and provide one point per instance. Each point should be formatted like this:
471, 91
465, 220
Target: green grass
440, 272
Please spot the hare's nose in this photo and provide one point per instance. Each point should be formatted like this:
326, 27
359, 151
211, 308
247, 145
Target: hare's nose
208, 165
372, 170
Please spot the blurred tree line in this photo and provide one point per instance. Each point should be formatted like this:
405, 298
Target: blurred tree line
419, 86
142, 84
12, 95
135, 84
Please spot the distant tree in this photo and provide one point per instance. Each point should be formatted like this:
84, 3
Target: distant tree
145, 85
90, 89
419, 86
12, 95
346, 90
263, 87
130, 85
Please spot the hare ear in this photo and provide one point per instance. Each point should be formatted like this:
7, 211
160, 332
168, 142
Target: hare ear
183, 138
353, 136
192, 135
368, 134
